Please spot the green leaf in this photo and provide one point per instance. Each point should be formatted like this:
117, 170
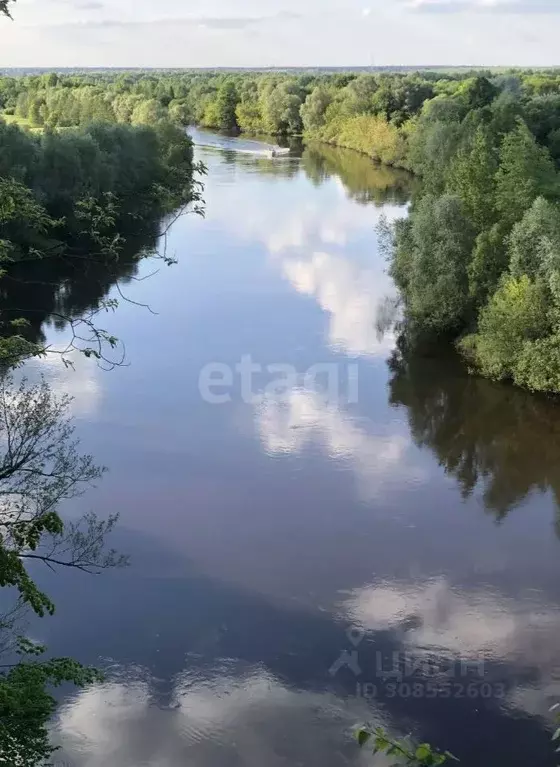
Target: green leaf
423, 751
381, 743
363, 736
556, 734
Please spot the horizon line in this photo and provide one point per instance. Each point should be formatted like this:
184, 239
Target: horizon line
324, 67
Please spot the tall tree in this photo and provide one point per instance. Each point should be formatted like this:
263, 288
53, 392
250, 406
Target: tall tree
526, 172
226, 105
534, 239
472, 178
433, 256
315, 106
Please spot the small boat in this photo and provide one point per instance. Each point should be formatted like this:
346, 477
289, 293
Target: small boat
278, 151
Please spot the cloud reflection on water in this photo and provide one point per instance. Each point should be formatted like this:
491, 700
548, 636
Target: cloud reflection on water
232, 715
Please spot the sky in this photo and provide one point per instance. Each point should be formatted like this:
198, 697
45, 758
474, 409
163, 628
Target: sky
267, 33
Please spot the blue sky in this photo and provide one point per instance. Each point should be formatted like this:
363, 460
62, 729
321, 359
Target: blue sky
191, 33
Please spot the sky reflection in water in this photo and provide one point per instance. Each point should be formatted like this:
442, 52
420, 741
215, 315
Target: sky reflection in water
424, 515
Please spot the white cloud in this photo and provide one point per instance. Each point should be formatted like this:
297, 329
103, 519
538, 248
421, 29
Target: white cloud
489, 6
81, 381
468, 624
476, 625
350, 295
324, 249
289, 426
280, 33
247, 717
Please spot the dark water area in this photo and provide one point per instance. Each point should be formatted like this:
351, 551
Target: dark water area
303, 562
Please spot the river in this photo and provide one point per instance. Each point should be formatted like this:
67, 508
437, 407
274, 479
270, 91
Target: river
372, 540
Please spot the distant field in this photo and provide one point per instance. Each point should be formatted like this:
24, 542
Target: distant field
21, 121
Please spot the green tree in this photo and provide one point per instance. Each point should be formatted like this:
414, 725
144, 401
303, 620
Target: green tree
432, 149
226, 105
402, 751
39, 468
489, 260
534, 238
472, 178
282, 108
27, 704
249, 113
147, 113
431, 264
314, 109
517, 313
416, 94
538, 365
526, 172
249, 116
479, 92
36, 113
179, 111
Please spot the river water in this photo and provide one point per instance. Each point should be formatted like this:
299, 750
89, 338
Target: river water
374, 540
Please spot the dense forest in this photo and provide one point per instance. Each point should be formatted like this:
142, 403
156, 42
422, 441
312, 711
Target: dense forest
477, 260
381, 114
82, 196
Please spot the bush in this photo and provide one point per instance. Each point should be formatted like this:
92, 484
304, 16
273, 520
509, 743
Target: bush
368, 134
517, 313
538, 365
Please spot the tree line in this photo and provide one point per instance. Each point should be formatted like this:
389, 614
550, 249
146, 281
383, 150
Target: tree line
380, 114
478, 259
80, 196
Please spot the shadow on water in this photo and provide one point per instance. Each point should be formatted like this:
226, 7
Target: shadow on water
51, 292
365, 181
481, 432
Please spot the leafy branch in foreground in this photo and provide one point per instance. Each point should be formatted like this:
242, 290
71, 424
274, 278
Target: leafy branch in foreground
404, 752
4, 8
40, 467
26, 704
61, 230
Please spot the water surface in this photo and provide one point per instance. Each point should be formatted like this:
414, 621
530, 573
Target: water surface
290, 554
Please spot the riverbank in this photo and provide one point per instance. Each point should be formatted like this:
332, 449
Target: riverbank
367, 135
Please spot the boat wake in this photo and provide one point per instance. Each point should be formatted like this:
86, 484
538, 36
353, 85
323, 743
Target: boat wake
266, 152
206, 140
